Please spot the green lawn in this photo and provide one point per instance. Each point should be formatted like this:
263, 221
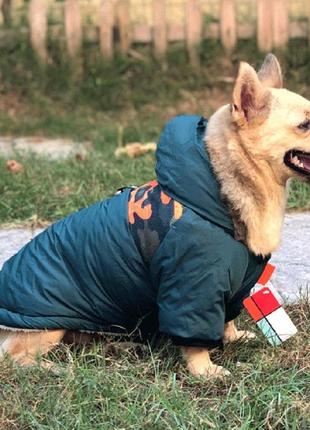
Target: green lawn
48, 190
108, 387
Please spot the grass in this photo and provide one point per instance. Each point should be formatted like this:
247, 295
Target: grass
50, 190
91, 100
105, 386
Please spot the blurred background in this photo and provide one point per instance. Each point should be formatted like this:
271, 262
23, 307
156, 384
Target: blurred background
105, 73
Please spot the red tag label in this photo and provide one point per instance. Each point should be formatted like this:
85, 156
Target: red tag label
266, 275
265, 301
252, 309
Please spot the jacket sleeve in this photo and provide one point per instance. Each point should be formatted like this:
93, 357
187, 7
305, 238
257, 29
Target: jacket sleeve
193, 285
255, 268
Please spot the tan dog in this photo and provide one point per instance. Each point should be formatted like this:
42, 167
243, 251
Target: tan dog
256, 144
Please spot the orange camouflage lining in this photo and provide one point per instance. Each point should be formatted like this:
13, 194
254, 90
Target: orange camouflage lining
151, 212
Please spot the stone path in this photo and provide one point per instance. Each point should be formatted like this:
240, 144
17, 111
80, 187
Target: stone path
43, 146
292, 260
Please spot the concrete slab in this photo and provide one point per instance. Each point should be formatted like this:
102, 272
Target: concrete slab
43, 147
12, 240
292, 260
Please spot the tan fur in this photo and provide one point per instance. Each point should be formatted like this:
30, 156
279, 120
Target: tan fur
270, 73
198, 359
199, 363
231, 334
247, 141
24, 347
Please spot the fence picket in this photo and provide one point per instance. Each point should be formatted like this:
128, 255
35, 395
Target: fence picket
193, 23
73, 27
264, 25
6, 8
228, 25
106, 28
38, 28
280, 23
308, 23
124, 24
159, 28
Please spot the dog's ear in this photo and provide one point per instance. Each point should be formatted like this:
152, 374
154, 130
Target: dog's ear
270, 73
251, 100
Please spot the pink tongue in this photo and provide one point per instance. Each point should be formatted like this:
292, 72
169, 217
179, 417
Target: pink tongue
305, 159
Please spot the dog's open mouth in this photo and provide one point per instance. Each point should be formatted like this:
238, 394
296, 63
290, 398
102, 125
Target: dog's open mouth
298, 161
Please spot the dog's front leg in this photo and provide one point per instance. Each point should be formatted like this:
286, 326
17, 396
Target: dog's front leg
199, 362
232, 334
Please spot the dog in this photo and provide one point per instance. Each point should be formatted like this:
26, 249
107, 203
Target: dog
178, 254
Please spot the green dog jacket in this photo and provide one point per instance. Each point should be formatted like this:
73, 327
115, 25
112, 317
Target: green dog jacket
158, 258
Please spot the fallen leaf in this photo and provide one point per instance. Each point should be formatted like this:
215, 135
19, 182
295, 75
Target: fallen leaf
133, 150
64, 191
14, 166
80, 157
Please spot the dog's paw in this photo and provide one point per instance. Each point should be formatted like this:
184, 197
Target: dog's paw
246, 334
209, 370
243, 335
53, 368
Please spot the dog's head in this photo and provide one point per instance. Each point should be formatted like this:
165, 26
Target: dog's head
273, 124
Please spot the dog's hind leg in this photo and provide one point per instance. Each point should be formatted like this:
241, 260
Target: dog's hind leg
232, 334
24, 347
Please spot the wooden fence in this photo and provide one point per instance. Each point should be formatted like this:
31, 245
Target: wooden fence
272, 29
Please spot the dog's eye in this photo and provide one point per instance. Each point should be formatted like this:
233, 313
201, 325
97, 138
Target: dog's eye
304, 126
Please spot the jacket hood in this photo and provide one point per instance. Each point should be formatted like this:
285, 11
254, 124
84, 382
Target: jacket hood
184, 170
